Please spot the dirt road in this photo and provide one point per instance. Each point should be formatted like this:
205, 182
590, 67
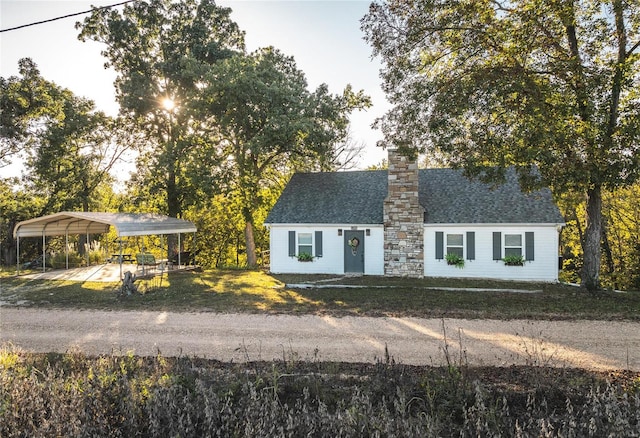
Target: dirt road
599, 345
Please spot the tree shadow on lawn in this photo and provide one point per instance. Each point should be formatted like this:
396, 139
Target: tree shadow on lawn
228, 291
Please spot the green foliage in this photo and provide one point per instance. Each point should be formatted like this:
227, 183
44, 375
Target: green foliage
527, 83
454, 259
67, 158
621, 238
58, 256
220, 241
95, 252
513, 260
67, 143
16, 205
305, 257
22, 100
621, 234
58, 260
267, 124
69, 150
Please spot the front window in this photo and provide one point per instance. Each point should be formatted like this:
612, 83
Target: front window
455, 245
513, 245
305, 243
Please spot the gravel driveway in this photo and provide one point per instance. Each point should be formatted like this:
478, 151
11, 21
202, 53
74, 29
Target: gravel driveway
599, 345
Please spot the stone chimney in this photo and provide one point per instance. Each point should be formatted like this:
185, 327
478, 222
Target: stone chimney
403, 220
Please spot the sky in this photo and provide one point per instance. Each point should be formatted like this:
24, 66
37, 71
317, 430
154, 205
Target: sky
324, 37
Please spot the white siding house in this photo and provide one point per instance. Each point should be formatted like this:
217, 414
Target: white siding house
337, 223
477, 244
331, 260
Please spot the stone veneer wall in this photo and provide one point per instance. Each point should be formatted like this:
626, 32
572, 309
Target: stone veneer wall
403, 220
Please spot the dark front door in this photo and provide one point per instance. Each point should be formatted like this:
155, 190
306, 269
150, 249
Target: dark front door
353, 251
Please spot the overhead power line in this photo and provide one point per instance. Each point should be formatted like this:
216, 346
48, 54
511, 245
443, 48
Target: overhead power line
66, 16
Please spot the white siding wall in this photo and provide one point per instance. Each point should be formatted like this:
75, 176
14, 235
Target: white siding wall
332, 261
544, 267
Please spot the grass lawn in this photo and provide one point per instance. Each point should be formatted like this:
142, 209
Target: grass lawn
256, 291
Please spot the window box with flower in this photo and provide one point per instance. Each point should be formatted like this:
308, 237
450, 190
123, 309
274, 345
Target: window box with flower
513, 260
454, 260
305, 257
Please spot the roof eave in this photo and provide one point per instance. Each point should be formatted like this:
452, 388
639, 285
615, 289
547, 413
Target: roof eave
496, 224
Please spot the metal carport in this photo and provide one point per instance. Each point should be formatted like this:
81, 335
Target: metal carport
125, 224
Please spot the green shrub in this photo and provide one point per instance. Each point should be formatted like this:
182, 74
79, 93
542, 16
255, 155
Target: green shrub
97, 255
58, 260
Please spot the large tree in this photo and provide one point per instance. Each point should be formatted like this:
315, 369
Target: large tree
68, 147
160, 50
72, 155
67, 143
16, 205
266, 122
551, 85
25, 100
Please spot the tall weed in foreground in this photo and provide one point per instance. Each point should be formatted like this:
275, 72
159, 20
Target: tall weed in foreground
603, 413
75, 396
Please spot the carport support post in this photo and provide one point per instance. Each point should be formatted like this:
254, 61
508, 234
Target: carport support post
179, 250
120, 258
18, 256
193, 246
144, 271
66, 248
43, 251
87, 246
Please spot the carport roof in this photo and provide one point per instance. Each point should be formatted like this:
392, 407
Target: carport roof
126, 224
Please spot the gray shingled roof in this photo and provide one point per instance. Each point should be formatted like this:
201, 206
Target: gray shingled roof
447, 196
332, 198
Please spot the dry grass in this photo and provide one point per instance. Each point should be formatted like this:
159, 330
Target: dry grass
73, 395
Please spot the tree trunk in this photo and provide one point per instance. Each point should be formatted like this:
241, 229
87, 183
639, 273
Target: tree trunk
9, 246
173, 208
590, 277
608, 253
252, 260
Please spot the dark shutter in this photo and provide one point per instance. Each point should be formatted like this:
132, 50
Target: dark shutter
318, 242
292, 243
497, 245
471, 245
528, 245
439, 245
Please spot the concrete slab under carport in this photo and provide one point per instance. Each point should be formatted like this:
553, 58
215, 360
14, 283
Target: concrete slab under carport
108, 272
